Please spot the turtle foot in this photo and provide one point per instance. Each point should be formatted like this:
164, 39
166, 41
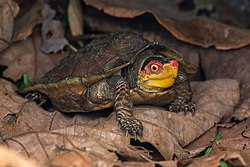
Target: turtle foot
37, 97
183, 107
130, 124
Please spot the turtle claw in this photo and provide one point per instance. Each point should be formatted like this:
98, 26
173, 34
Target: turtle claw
183, 107
37, 97
32, 96
131, 126
190, 107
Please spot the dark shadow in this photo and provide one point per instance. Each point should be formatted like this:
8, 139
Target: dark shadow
154, 153
186, 5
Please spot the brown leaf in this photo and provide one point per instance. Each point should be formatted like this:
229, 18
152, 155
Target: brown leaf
25, 23
232, 12
149, 164
75, 17
52, 32
10, 103
236, 136
18, 115
233, 157
230, 64
234, 139
137, 164
243, 111
8, 11
25, 57
77, 159
52, 148
204, 141
11, 158
185, 26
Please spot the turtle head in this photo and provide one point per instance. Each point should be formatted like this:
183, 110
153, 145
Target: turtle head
158, 73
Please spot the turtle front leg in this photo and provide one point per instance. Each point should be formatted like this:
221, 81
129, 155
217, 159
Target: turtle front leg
123, 107
183, 98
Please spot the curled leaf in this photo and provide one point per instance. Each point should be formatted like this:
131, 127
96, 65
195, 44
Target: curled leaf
25, 57
8, 11
185, 26
52, 32
75, 17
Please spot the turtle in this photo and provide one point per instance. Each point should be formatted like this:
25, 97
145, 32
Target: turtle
118, 70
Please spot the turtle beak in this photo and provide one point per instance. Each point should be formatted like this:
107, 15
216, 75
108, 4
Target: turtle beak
169, 73
170, 70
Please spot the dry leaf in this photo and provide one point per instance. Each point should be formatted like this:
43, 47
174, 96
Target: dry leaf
25, 57
149, 164
233, 157
137, 164
206, 140
91, 154
235, 134
18, 115
199, 31
230, 64
8, 11
25, 23
10, 158
75, 17
243, 111
49, 148
52, 32
237, 137
232, 12
11, 31
77, 159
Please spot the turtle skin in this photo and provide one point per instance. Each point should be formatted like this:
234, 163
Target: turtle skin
104, 74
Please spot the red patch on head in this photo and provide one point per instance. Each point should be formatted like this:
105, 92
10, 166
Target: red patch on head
174, 63
153, 67
142, 72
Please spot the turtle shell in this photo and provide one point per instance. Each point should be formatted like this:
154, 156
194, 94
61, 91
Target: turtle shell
99, 57
107, 55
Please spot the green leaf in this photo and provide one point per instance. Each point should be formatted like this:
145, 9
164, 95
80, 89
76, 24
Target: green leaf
223, 164
208, 150
218, 137
24, 82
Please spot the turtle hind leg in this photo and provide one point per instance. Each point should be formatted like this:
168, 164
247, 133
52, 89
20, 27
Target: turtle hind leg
123, 107
183, 100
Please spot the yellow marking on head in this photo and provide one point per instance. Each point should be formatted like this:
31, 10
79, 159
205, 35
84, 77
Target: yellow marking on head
163, 80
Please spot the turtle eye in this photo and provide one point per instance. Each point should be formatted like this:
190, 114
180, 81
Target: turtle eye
154, 67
